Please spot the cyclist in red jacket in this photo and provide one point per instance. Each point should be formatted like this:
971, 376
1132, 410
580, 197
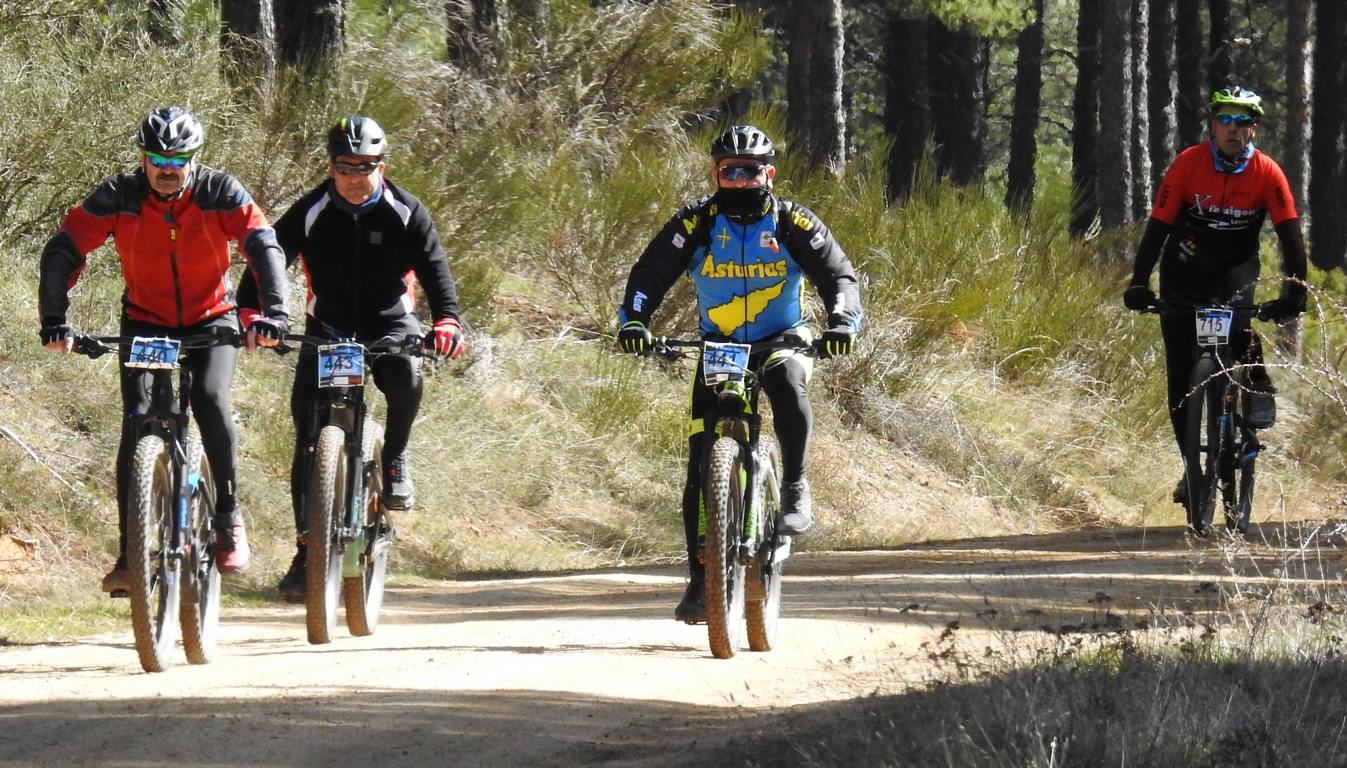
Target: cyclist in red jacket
1206, 221
171, 220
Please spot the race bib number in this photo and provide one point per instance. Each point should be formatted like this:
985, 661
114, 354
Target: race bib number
1213, 326
724, 362
341, 365
150, 353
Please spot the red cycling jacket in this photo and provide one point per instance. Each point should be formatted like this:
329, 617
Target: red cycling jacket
174, 253
1216, 215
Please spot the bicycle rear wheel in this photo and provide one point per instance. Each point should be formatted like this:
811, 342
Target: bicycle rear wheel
724, 524
762, 606
199, 612
1202, 441
152, 570
323, 519
364, 594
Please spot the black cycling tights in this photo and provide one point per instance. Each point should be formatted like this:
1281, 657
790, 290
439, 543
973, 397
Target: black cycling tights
785, 384
212, 376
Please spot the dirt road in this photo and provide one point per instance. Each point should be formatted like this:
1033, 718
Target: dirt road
589, 669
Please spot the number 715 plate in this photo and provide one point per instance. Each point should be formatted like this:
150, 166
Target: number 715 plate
1213, 325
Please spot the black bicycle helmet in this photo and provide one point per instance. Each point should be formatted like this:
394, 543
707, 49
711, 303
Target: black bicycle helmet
743, 141
356, 135
170, 129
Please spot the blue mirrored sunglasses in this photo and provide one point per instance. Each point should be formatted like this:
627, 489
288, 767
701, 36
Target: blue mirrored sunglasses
1240, 121
741, 172
159, 161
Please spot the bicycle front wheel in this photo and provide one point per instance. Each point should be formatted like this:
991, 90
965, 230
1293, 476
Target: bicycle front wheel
724, 525
762, 606
199, 612
1202, 442
152, 570
364, 594
323, 519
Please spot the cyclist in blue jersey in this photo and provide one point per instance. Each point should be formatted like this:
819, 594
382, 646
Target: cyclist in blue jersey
747, 253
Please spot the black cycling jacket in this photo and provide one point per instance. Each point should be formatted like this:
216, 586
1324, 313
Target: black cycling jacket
360, 262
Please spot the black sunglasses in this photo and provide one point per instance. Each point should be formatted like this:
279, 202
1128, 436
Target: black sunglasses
364, 169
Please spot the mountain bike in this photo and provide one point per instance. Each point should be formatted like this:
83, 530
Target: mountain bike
741, 485
170, 543
348, 531
1220, 446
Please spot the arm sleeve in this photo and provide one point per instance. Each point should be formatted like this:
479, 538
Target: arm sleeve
664, 259
1293, 254
1148, 250
289, 234
825, 264
431, 265
86, 226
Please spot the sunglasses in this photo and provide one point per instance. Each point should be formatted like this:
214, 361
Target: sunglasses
159, 161
745, 172
1240, 121
364, 169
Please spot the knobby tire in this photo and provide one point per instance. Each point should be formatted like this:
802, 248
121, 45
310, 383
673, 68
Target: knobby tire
152, 573
1202, 443
326, 498
364, 594
199, 610
724, 576
763, 615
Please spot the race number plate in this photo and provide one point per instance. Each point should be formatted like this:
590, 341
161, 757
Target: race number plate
152, 353
724, 362
1213, 325
341, 365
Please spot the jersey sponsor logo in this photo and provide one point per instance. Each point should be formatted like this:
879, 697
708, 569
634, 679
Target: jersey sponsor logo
1200, 201
1280, 196
816, 242
802, 221
678, 240
742, 310
638, 301
690, 224
1163, 197
742, 271
724, 237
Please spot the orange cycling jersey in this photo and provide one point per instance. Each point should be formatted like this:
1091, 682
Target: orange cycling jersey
1217, 214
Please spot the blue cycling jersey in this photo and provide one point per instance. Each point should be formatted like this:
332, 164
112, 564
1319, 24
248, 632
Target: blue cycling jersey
749, 286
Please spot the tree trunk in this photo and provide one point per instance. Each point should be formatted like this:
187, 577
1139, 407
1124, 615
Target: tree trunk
1085, 120
1189, 58
1222, 66
1160, 86
799, 89
248, 45
1115, 110
470, 33
1296, 158
907, 104
310, 33
532, 16
1328, 229
1141, 127
1024, 117
958, 69
828, 118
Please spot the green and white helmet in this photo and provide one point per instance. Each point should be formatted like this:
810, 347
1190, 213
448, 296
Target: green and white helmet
1236, 96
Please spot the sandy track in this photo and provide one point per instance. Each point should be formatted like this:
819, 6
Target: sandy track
588, 669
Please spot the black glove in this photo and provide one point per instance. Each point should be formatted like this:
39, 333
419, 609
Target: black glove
273, 328
55, 333
837, 341
635, 338
1139, 298
1282, 309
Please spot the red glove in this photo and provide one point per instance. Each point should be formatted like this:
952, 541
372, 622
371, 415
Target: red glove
446, 338
246, 317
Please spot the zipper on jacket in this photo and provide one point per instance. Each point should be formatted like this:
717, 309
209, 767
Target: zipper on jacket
173, 262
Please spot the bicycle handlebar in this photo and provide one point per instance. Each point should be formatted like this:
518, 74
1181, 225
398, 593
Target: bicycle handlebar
668, 347
407, 345
97, 346
1173, 307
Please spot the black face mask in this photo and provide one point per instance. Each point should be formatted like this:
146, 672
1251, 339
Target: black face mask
744, 204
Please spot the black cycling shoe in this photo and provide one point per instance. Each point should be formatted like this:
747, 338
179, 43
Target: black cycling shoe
117, 582
399, 493
692, 608
1180, 495
292, 585
1260, 410
797, 515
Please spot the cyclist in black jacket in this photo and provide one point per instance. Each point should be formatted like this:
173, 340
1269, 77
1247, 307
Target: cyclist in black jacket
747, 253
365, 243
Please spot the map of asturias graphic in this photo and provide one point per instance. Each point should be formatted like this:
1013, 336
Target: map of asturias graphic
743, 309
